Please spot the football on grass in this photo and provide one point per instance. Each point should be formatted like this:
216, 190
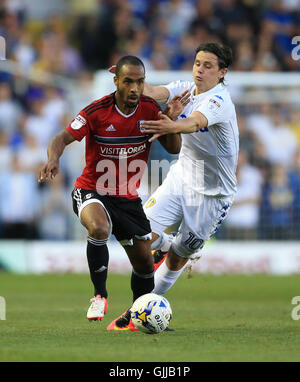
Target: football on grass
151, 313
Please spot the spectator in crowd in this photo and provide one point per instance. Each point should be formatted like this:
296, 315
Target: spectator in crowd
179, 14
55, 107
274, 133
248, 139
242, 222
282, 144
5, 151
19, 200
24, 53
294, 122
53, 215
205, 16
77, 100
279, 208
139, 46
278, 26
39, 125
31, 154
159, 57
260, 123
10, 110
183, 56
245, 56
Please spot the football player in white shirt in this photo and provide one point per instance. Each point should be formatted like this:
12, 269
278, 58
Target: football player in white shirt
199, 189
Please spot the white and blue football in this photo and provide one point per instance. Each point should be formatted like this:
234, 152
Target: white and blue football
151, 313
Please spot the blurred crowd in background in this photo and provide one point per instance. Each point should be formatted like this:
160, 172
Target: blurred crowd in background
70, 40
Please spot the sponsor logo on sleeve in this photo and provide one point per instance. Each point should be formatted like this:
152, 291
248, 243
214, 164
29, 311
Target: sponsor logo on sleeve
78, 122
215, 102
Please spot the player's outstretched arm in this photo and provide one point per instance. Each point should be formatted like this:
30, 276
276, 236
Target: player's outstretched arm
55, 151
171, 142
166, 126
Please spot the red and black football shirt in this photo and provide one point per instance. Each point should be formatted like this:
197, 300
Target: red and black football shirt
116, 151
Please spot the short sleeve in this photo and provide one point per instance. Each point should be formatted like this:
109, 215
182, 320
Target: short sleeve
79, 126
156, 110
215, 109
178, 87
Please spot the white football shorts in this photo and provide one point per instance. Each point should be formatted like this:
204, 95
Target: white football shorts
198, 216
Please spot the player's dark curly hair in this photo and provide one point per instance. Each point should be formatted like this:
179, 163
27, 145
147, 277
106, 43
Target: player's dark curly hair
223, 52
128, 60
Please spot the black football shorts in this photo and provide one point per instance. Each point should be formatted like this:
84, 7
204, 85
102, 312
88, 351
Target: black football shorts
126, 216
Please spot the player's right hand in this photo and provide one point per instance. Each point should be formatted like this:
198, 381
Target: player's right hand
48, 171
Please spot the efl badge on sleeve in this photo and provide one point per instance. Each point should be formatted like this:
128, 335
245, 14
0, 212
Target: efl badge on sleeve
78, 122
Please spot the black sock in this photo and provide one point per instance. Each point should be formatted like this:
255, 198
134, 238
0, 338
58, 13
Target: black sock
141, 284
97, 256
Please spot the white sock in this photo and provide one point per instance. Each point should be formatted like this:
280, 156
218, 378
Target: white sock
164, 278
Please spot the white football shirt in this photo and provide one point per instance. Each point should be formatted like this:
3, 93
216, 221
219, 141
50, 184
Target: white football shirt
208, 157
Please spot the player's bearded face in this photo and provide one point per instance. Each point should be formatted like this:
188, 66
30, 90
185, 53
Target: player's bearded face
130, 84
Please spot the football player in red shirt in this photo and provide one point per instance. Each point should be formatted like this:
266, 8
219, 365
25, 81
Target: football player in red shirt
105, 195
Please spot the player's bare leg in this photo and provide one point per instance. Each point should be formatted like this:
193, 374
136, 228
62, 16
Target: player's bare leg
175, 262
94, 218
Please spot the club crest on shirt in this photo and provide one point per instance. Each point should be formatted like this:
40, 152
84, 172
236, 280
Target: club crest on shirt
139, 126
150, 203
78, 122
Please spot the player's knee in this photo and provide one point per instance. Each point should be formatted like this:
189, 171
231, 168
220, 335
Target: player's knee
149, 264
98, 230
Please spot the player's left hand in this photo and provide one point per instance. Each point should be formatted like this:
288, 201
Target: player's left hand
158, 128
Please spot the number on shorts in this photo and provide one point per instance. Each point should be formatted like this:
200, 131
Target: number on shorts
192, 242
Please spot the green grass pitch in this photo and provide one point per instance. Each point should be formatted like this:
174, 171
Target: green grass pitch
217, 318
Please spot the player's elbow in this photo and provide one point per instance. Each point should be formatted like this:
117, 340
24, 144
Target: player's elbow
174, 149
197, 121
